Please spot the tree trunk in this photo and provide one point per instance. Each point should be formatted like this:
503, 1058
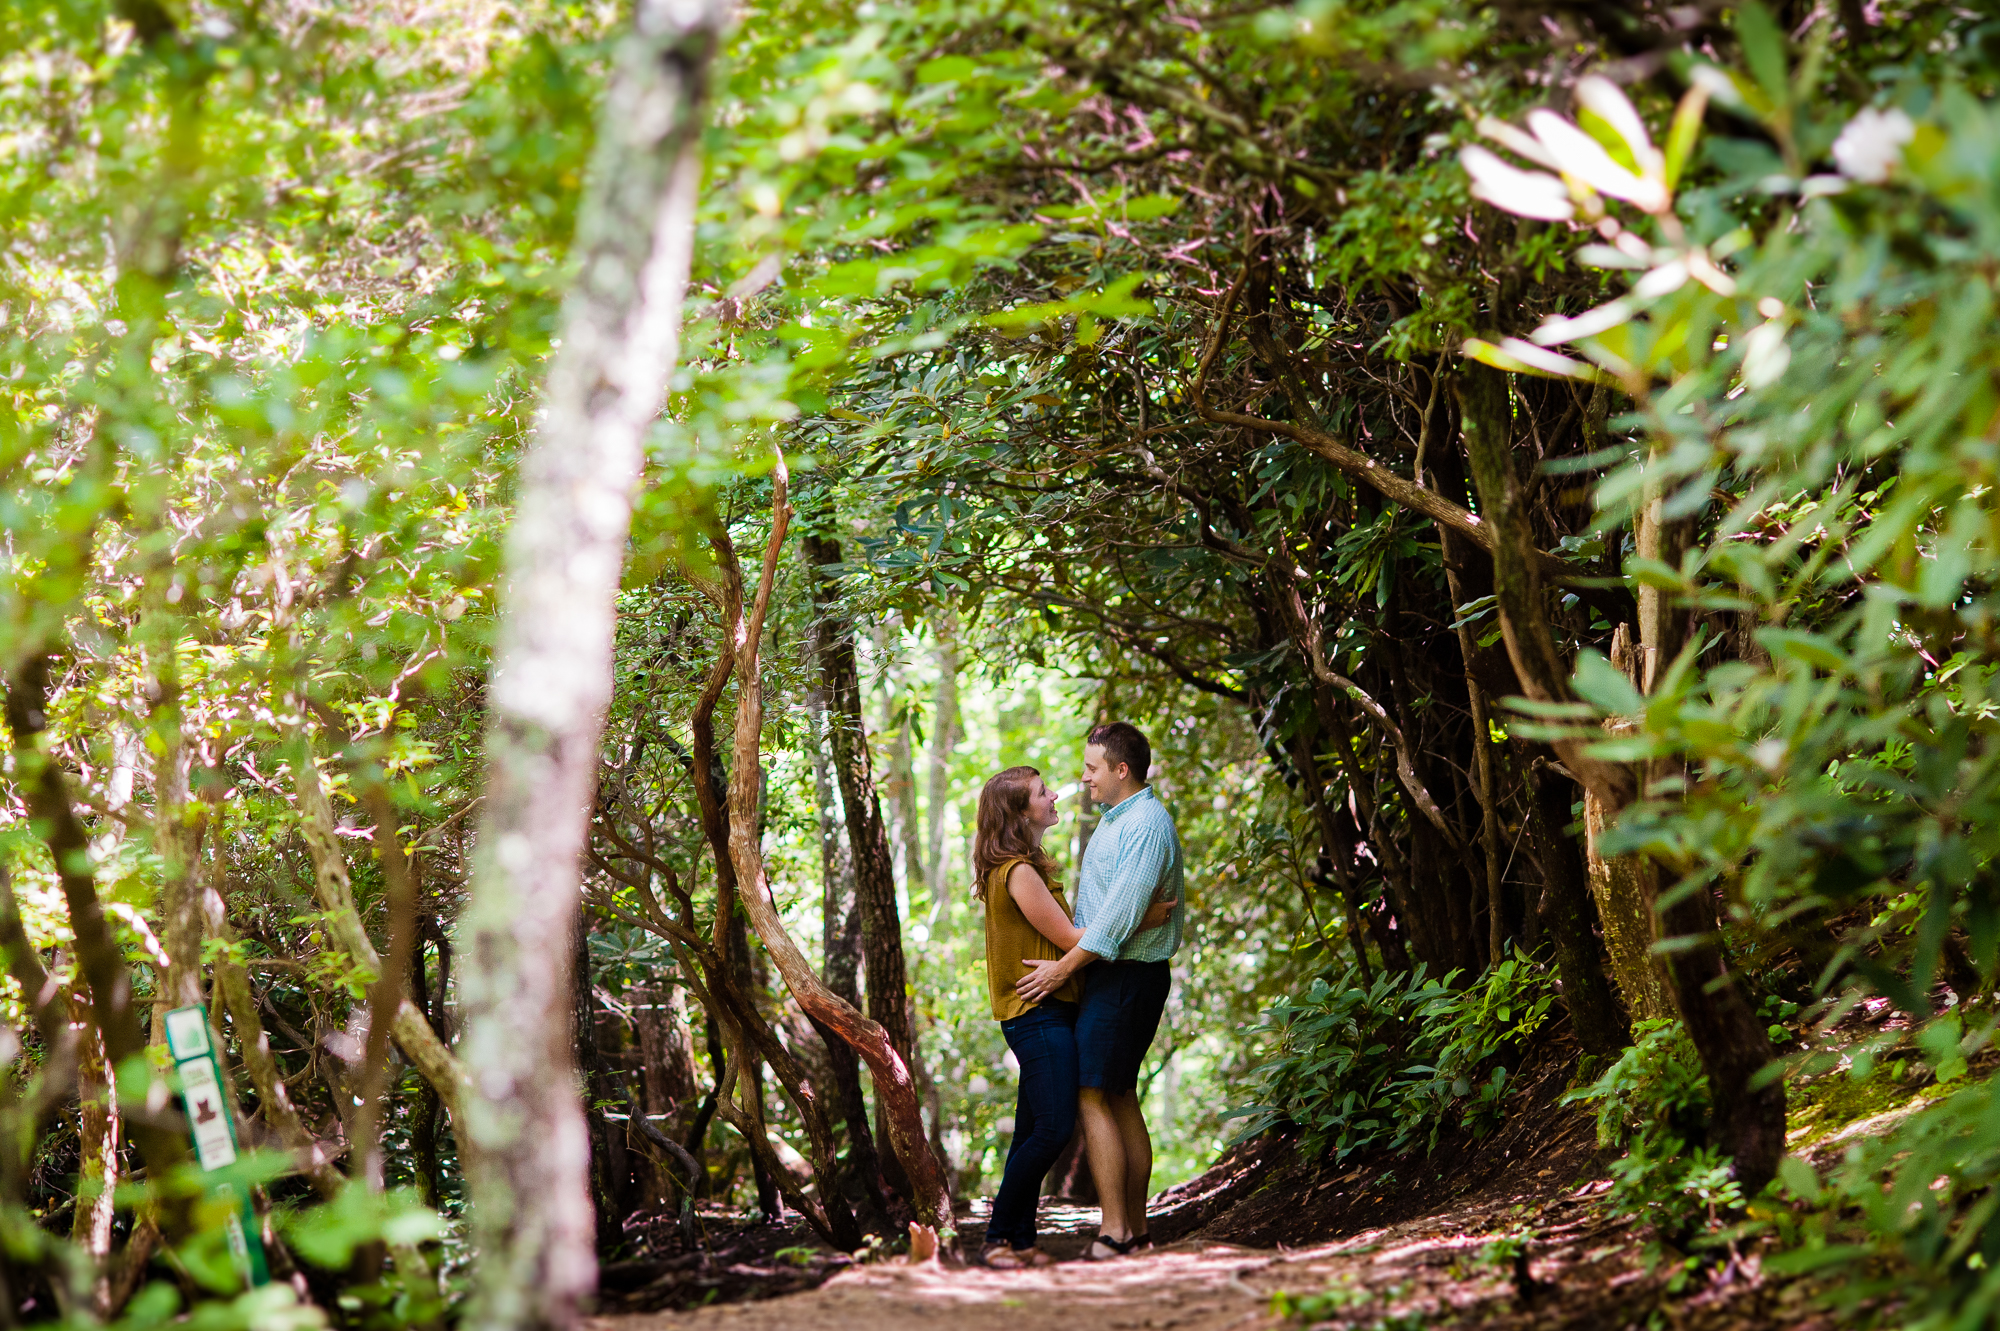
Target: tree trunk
667, 1090
1566, 906
98, 1143
528, 1167
666, 1056
1733, 1044
867, 838
900, 790
840, 953
99, 958
610, 1162
1624, 886
177, 834
274, 1100
386, 997
1069, 1178
334, 891
764, 1170
425, 1143
895, 1089
945, 728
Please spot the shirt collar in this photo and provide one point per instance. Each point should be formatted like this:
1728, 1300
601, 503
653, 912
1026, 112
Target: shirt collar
1143, 792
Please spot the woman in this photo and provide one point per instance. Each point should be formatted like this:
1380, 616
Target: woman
1027, 918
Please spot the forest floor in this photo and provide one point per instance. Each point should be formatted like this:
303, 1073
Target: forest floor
1390, 1245
1395, 1244
1586, 1269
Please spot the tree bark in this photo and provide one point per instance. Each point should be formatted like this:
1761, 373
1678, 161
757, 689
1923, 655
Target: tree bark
1566, 906
98, 1152
99, 958
895, 1088
1623, 888
178, 825
1734, 1047
900, 790
667, 1090
528, 1177
867, 837
840, 957
334, 891
274, 1100
945, 728
387, 997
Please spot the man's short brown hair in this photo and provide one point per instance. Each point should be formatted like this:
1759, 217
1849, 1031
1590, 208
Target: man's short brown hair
1122, 743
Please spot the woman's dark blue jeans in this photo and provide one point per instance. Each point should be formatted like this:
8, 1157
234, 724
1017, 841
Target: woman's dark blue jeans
1044, 1042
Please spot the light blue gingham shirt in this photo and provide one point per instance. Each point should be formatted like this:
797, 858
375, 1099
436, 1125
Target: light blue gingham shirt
1134, 852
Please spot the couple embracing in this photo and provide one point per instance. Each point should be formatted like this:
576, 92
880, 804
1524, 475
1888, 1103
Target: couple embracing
1078, 994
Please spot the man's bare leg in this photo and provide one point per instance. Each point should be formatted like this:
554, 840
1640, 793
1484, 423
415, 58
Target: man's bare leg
1138, 1144
1104, 1141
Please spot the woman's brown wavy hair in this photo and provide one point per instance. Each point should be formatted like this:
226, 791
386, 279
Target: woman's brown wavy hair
1001, 831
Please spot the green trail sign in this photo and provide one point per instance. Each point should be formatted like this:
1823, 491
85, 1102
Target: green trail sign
215, 1145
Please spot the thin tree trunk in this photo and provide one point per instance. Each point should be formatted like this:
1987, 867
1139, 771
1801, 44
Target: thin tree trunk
386, 997
1486, 789
666, 1054
900, 790
98, 1151
274, 1100
1566, 905
1623, 888
528, 1172
667, 1090
178, 825
945, 730
100, 960
867, 838
895, 1088
334, 891
610, 1162
425, 1141
840, 956
764, 1167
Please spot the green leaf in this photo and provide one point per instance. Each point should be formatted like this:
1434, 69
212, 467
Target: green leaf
1605, 685
1809, 648
1764, 50
1148, 206
946, 69
1685, 131
328, 1235
1653, 573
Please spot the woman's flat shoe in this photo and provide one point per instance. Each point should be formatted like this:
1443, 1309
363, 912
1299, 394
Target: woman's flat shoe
1113, 1248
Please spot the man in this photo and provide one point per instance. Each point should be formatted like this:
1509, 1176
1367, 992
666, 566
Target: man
1133, 858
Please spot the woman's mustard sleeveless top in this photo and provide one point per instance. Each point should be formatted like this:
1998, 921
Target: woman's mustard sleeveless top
1009, 938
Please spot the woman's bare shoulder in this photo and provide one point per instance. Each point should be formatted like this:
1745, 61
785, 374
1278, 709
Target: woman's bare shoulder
1024, 877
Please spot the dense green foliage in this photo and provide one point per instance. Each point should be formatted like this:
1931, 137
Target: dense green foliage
1395, 1064
1120, 355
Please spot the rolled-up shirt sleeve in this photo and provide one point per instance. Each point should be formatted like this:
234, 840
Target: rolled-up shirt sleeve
1143, 855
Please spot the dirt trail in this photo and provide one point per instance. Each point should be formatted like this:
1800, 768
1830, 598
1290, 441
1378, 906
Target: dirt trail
1389, 1244
1586, 1272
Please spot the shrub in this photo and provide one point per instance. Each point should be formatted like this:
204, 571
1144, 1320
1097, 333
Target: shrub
1924, 1195
1397, 1062
1654, 1104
